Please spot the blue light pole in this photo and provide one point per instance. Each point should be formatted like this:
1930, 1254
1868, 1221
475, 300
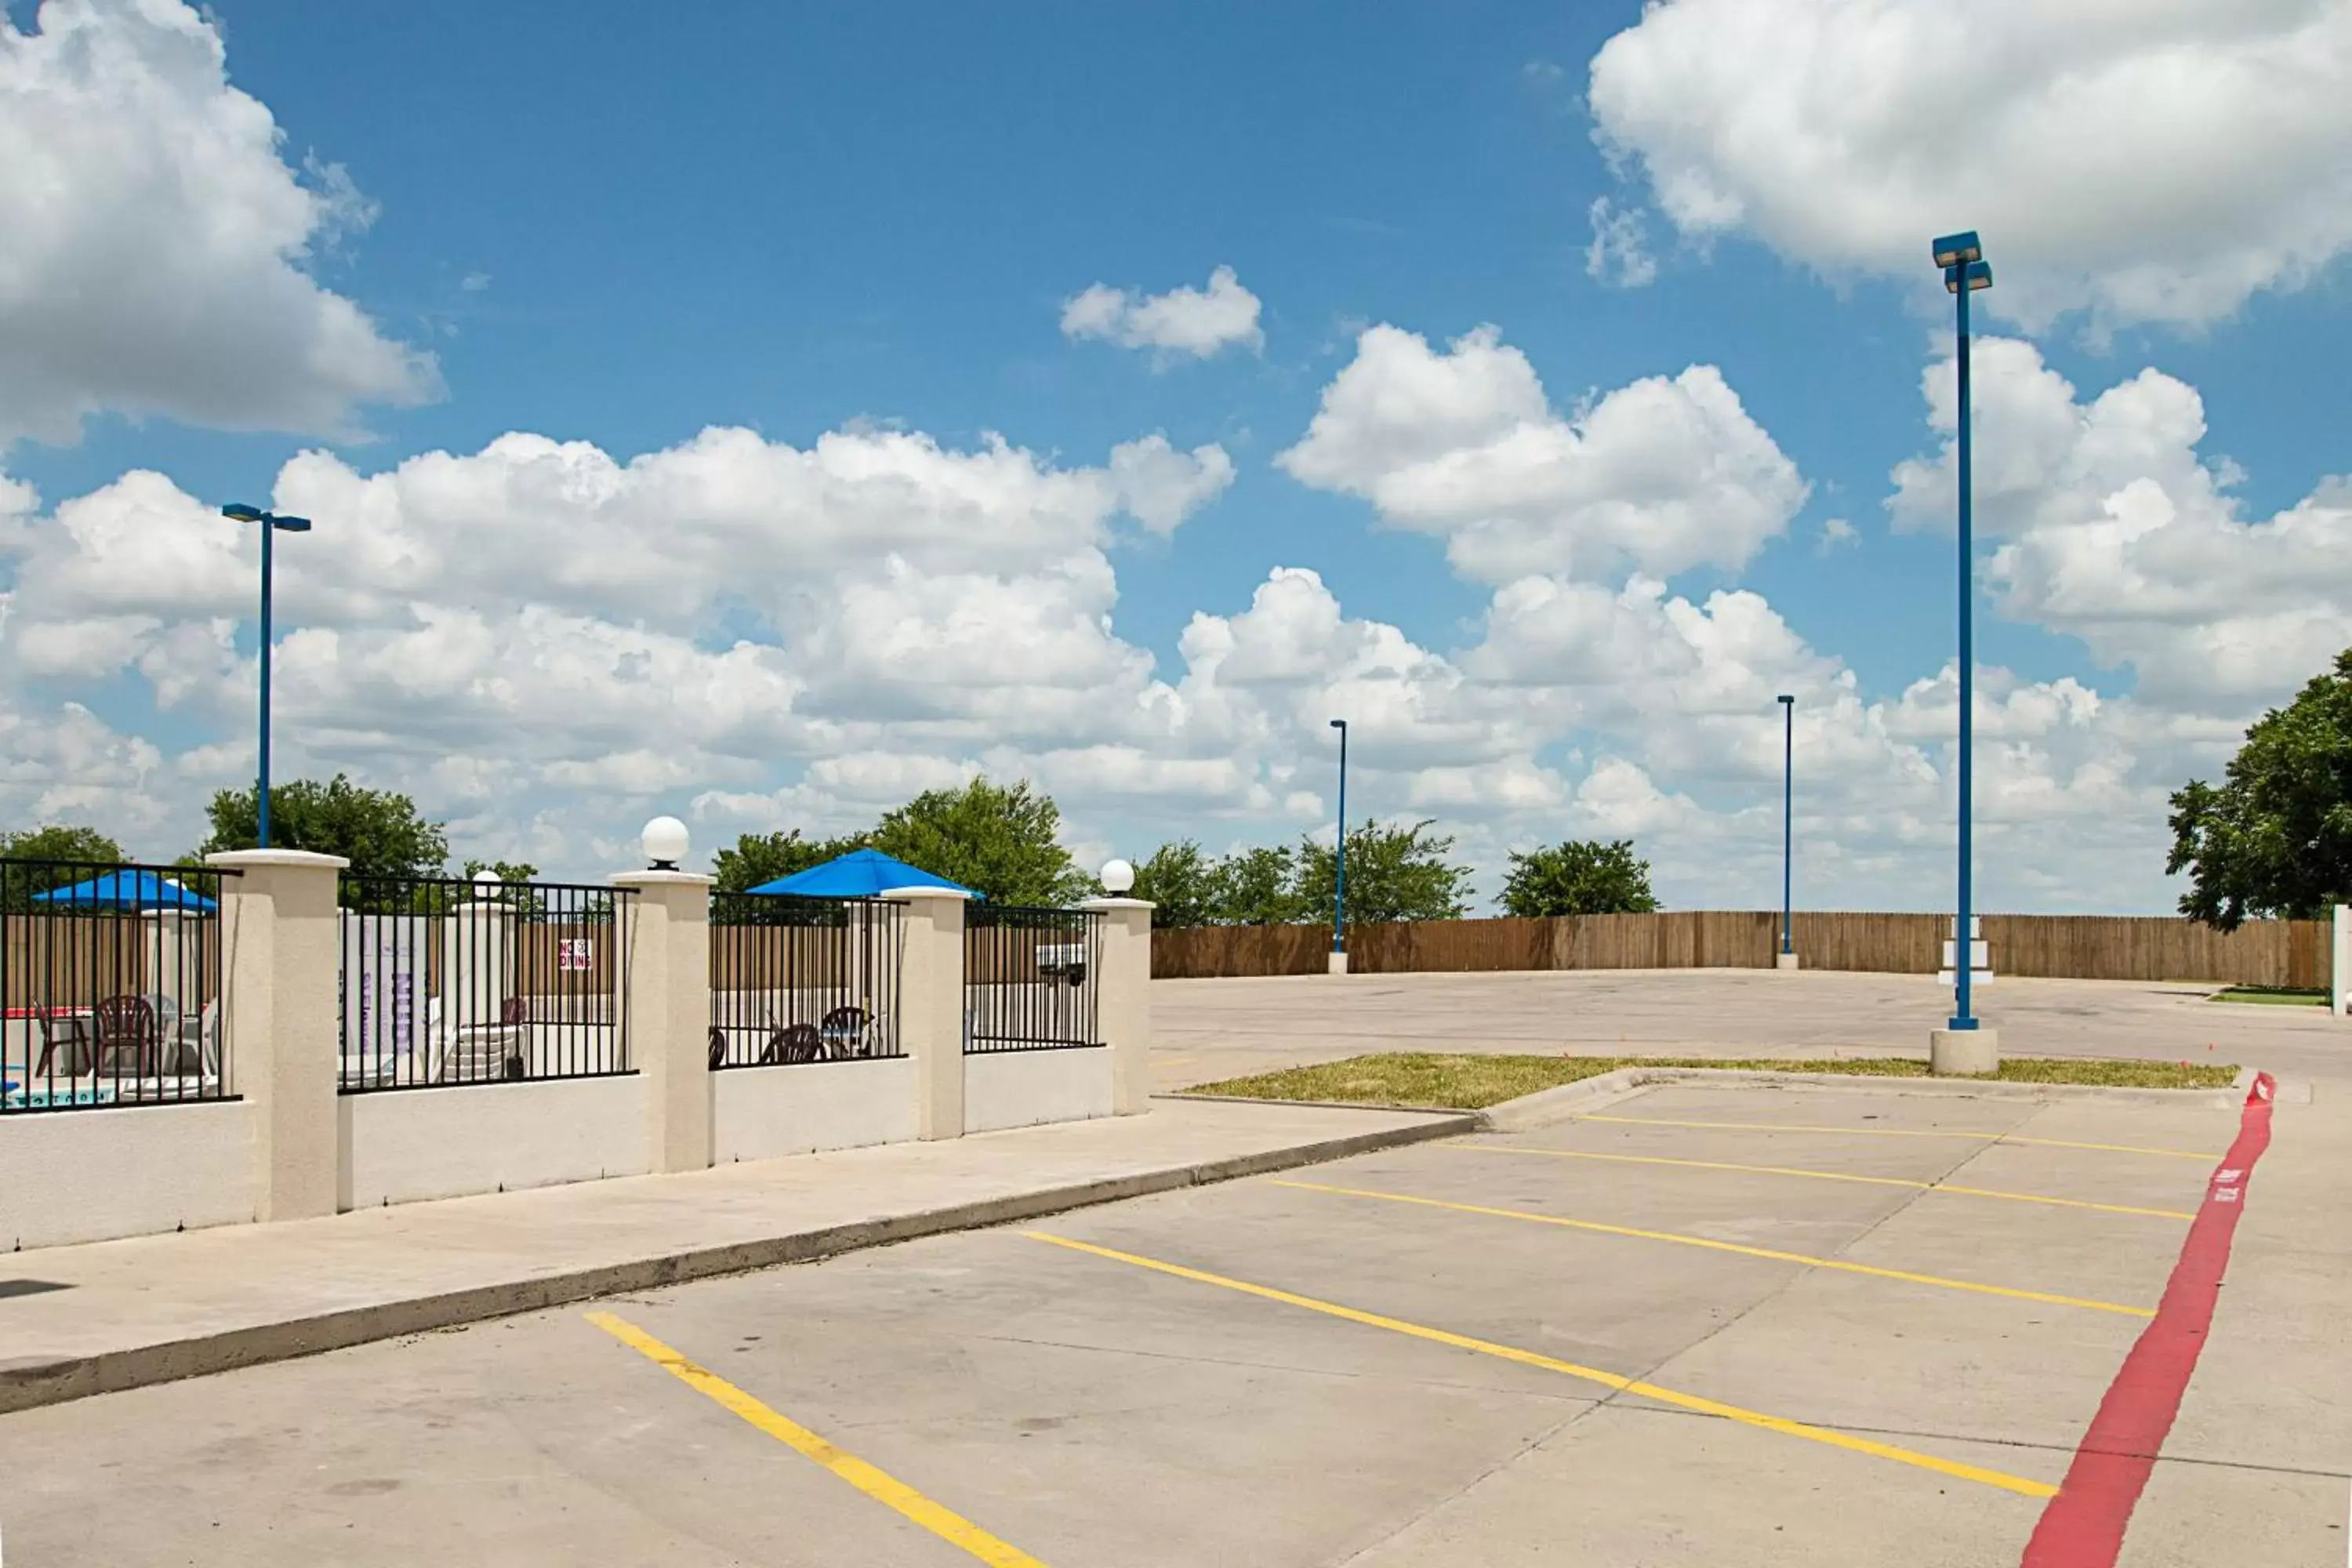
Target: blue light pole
1961, 257
1340, 882
1788, 818
271, 525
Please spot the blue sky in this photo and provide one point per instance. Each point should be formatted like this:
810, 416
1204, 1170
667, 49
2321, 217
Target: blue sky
619, 228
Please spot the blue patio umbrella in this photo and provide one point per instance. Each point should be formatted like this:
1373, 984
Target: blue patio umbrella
860, 874
128, 891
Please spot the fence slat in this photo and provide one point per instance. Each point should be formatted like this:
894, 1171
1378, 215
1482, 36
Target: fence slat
1032, 978
110, 985
2081, 947
795, 981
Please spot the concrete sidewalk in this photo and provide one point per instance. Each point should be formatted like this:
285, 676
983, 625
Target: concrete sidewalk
78, 1321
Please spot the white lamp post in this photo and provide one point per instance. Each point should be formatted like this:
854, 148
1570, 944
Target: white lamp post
665, 842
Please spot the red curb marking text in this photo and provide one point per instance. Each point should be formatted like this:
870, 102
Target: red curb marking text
2082, 1526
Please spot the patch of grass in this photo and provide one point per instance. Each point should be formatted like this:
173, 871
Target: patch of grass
1467, 1082
2271, 996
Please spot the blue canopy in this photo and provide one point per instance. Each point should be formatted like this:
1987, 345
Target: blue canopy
128, 891
860, 874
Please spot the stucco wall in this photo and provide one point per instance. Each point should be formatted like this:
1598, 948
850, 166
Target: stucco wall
1020, 1088
406, 1144
90, 1176
759, 1114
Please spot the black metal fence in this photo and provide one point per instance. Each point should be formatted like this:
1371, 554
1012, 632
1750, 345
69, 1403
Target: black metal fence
1032, 978
110, 985
450, 982
804, 980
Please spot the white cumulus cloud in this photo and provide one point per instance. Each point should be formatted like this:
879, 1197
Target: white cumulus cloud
1160, 486
1184, 322
2158, 162
2116, 531
1666, 473
160, 251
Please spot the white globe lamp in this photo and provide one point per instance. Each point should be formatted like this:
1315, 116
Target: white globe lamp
1118, 878
665, 843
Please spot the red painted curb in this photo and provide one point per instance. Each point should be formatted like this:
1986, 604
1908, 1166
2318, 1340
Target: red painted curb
2082, 1526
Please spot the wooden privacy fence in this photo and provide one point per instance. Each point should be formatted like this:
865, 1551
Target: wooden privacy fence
547, 958
49, 961
2079, 947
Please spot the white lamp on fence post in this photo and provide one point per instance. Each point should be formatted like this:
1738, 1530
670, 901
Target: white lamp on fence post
665, 842
667, 924
1125, 998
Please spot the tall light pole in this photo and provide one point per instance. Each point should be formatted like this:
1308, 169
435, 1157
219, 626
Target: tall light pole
1788, 828
1339, 964
1961, 257
271, 525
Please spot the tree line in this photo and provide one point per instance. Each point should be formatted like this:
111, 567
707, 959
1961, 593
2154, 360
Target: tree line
1394, 873
1002, 840
378, 831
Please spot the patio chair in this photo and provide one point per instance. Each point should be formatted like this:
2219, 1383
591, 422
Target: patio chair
127, 1024
167, 1013
792, 1044
195, 1048
847, 1032
70, 1031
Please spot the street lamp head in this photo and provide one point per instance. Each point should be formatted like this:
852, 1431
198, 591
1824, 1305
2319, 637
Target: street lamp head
289, 524
1959, 250
664, 842
242, 513
1978, 275
1791, 701
1338, 723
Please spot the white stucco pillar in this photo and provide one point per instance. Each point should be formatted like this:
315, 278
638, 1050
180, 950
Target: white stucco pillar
1124, 1001
162, 953
668, 1011
278, 1028
930, 1007
476, 962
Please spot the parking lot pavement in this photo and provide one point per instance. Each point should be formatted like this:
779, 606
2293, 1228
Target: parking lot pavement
1770, 1327
1204, 1030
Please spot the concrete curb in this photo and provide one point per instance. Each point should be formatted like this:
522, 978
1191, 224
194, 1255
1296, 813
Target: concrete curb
26, 1385
1314, 1104
1545, 1107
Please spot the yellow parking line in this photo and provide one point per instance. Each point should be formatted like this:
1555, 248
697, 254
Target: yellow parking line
1611, 1379
1713, 1245
1816, 1175
1908, 1132
883, 1487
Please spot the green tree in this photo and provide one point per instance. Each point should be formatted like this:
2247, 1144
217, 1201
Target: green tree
1181, 884
997, 839
378, 831
1394, 873
2275, 837
61, 842
1258, 888
87, 846
1581, 877
761, 858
